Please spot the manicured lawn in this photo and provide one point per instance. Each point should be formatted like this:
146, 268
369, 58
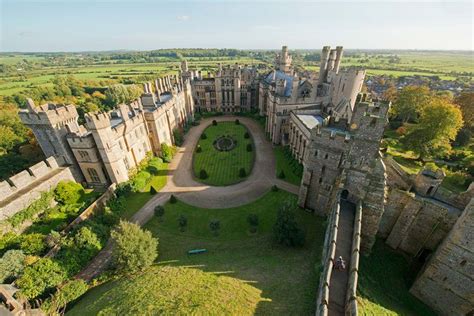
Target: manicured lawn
292, 169
384, 281
240, 274
223, 167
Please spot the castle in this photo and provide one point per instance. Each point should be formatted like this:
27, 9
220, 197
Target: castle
332, 128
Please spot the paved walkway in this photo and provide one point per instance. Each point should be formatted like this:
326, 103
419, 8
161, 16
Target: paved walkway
338, 285
182, 184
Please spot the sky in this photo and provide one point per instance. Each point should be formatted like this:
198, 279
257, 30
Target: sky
86, 25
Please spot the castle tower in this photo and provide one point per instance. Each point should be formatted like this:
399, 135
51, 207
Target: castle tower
337, 64
50, 124
283, 61
323, 71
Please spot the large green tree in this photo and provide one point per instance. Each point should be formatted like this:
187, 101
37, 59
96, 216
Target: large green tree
134, 249
438, 125
286, 230
466, 102
410, 102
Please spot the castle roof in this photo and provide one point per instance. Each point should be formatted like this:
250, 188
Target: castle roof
280, 75
310, 121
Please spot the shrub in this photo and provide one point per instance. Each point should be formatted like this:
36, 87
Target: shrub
199, 149
246, 135
274, 188
249, 147
178, 137
153, 190
123, 189
252, 219
43, 275
242, 173
140, 180
68, 192
166, 152
237, 122
182, 222
203, 174
286, 230
203, 136
11, 265
134, 248
214, 122
281, 175
215, 226
173, 199
159, 211
401, 131
33, 244
67, 293
85, 238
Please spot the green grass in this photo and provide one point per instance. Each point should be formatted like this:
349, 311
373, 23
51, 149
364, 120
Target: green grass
136, 200
223, 167
273, 280
384, 281
291, 168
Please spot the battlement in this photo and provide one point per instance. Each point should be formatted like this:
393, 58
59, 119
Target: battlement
49, 113
26, 177
98, 120
332, 135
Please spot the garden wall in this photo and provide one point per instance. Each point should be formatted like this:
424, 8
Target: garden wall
20, 190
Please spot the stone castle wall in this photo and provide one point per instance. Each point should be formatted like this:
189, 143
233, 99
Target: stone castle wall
412, 223
20, 190
447, 281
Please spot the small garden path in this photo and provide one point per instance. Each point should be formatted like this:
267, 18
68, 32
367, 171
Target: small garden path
182, 184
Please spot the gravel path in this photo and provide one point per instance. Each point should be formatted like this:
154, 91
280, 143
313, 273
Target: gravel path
181, 183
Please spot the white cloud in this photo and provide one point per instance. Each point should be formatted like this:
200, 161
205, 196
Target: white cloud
183, 17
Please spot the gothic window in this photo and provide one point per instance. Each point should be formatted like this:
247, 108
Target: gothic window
323, 169
305, 93
125, 161
93, 174
326, 156
84, 154
316, 153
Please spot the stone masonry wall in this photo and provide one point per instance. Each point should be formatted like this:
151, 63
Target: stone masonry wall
20, 190
412, 223
447, 281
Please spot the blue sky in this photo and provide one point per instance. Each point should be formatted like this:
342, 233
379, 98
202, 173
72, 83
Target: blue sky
80, 25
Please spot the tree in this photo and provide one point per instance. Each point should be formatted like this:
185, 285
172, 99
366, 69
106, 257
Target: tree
214, 122
11, 265
242, 173
166, 152
8, 139
68, 192
159, 212
215, 226
463, 137
390, 94
44, 274
203, 136
237, 122
281, 174
246, 135
134, 249
153, 190
173, 199
249, 147
466, 102
286, 230
411, 101
85, 238
182, 222
439, 123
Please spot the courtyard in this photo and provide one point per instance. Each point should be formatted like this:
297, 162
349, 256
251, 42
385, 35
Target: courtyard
222, 152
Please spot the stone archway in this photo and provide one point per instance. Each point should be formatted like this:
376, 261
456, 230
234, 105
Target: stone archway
344, 194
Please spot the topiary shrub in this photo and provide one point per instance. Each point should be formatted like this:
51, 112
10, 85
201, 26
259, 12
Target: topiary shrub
199, 149
173, 199
214, 122
182, 222
215, 226
274, 188
153, 190
253, 221
281, 175
242, 173
246, 135
166, 152
68, 192
237, 122
249, 147
159, 212
203, 174
203, 136
123, 189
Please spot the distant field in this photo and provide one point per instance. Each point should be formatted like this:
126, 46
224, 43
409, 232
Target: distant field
446, 65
